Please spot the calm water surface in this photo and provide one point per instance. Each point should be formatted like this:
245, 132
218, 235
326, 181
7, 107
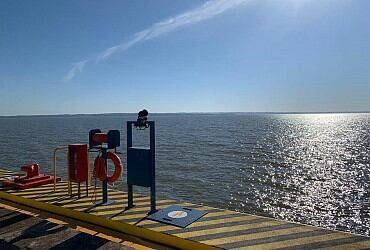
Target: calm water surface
309, 168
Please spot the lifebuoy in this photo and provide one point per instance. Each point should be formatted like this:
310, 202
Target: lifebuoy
100, 168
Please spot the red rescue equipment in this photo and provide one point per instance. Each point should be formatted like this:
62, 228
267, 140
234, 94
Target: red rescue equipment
78, 167
78, 163
32, 179
100, 168
100, 137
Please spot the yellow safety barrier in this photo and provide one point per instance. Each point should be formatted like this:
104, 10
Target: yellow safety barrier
55, 167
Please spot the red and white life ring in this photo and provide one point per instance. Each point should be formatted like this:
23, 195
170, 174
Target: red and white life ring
100, 168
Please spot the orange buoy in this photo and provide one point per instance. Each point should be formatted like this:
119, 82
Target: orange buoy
100, 168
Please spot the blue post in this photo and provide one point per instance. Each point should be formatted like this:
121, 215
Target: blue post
152, 152
141, 166
130, 198
105, 183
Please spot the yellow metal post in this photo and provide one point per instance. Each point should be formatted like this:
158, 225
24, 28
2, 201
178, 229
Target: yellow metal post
88, 169
55, 166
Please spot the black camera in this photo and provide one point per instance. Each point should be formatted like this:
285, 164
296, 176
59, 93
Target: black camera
142, 120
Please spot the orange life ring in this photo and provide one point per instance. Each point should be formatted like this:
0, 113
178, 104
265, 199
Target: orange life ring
100, 168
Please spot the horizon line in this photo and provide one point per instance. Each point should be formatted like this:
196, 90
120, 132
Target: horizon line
197, 112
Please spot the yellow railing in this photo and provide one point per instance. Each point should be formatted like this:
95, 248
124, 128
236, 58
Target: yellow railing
55, 168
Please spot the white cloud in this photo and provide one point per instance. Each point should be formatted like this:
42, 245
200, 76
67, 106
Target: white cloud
76, 68
207, 10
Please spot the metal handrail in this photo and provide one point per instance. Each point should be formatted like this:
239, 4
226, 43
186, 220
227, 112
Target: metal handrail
55, 167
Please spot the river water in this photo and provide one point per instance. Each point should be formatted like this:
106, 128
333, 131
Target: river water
307, 168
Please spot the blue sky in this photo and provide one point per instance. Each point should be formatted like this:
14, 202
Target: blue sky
184, 56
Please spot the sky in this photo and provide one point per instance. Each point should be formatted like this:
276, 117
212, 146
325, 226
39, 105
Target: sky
70, 57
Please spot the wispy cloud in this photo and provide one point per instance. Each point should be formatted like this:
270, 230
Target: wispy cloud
206, 11
76, 68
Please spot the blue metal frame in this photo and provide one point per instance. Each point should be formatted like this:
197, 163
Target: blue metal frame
141, 166
105, 200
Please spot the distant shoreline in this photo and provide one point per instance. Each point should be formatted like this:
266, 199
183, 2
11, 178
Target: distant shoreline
187, 113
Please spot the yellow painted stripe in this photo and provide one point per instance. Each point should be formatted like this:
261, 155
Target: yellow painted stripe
34, 193
52, 198
17, 209
230, 229
125, 228
80, 202
51, 194
297, 242
145, 202
129, 217
218, 213
207, 223
260, 235
44, 187
146, 222
121, 206
47, 197
61, 186
6, 176
357, 245
132, 210
226, 220
6, 172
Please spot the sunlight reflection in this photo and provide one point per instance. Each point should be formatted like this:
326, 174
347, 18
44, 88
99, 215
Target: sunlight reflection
318, 166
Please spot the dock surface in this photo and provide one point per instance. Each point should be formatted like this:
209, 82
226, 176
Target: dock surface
23, 231
218, 229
